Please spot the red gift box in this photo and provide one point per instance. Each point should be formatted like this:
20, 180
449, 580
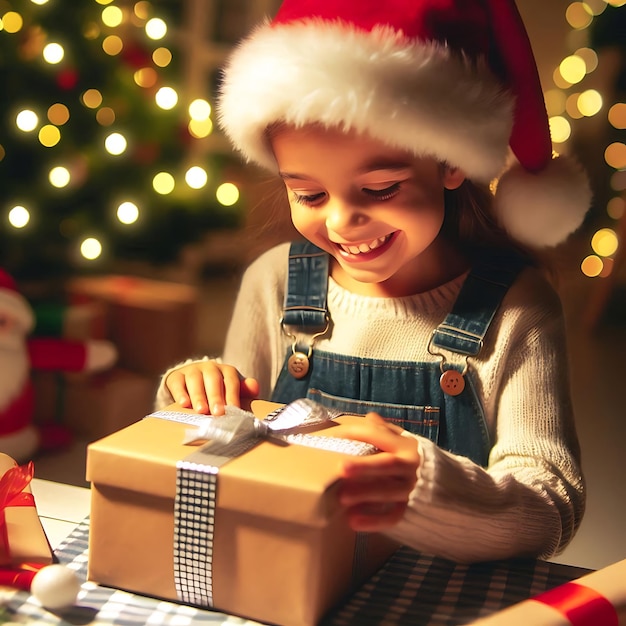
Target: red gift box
22, 538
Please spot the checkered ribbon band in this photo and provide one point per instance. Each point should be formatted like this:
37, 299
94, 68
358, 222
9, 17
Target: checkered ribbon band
194, 519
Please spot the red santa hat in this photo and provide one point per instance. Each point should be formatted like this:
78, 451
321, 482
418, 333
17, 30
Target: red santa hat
453, 79
14, 304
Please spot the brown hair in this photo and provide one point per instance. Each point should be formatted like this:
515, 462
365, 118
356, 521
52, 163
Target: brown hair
470, 223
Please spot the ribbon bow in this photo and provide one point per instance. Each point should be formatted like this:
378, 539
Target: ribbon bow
238, 425
12, 486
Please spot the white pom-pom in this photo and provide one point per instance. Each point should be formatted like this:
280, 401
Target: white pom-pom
542, 210
55, 586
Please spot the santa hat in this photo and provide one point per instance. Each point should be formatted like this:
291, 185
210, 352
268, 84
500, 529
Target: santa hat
452, 79
14, 304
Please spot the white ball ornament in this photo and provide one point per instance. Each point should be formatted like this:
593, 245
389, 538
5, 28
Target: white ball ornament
55, 586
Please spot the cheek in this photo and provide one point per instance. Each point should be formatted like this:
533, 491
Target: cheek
302, 219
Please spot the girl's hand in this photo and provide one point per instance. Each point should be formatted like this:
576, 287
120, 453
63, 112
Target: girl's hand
207, 386
376, 488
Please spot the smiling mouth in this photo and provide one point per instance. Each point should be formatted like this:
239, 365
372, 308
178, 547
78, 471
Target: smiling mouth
365, 247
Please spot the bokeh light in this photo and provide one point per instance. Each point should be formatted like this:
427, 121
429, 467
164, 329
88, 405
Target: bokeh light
227, 194
592, 266
49, 135
19, 216
605, 242
27, 120
573, 69
58, 114
196, 177
91, 248
156, 28
163, 183
617, 115
127, 212
115, 144
615, 155
53, 53
560, 129
166, 98
112, 45
59, 177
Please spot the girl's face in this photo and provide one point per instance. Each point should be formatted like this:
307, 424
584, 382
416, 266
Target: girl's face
377, 210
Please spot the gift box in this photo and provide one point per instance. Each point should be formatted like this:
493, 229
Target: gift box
22, 538
598, 598
92, 406
152, 323
272, 543
101, 404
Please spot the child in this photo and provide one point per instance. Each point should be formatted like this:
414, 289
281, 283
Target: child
411, 299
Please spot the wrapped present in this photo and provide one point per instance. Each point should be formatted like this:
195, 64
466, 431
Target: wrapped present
92, 406
251, 527
98, 405
22, 538
596, 599
152, 323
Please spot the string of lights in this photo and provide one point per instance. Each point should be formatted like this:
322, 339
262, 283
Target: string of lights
568, 101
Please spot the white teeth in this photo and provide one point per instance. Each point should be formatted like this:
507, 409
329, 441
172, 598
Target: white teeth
365, 247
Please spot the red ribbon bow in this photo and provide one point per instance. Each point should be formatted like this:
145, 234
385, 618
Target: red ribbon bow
12, 486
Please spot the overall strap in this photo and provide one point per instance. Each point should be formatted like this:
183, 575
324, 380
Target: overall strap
465, 327
307, 284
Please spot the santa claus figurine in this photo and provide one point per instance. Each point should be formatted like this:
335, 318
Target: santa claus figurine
19, 354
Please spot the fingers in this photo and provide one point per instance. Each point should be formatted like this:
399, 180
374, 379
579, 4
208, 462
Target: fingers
372, 518
208, 386
375, 489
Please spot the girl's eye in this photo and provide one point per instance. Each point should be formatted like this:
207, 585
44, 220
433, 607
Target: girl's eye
309, 200
383, 194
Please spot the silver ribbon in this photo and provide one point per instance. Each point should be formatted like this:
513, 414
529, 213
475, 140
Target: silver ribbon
237, 426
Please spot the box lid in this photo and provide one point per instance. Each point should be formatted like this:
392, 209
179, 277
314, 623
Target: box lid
297, 481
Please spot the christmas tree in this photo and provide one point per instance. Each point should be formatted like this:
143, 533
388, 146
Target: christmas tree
99, 155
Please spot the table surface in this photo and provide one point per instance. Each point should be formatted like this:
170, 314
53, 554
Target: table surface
410, 588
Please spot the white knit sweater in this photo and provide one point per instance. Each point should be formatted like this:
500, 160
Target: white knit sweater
530, 499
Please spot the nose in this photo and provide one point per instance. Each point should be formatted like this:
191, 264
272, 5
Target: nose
341, 215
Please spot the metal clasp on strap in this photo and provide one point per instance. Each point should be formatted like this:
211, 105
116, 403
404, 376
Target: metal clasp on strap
451, 381
299, 362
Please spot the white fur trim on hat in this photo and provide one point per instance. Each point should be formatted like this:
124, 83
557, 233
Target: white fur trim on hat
542, 210
420, 96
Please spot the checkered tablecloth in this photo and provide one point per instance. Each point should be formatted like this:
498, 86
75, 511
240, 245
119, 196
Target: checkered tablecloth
410, 589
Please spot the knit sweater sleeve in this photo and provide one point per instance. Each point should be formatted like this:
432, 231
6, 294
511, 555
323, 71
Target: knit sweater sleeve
530, 498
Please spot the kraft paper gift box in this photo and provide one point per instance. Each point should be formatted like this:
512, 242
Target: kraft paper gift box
22, 538
97, 405
152, 323
281, 550
596, 599
92, 406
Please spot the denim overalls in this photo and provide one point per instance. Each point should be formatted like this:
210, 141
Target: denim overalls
410, 394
